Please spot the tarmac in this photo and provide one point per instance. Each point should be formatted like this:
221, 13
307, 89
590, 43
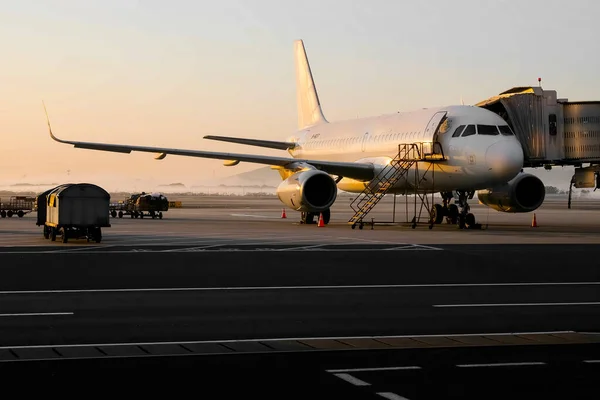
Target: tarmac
245, 302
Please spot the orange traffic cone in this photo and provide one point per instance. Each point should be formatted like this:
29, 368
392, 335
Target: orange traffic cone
534, 222
321, 222
283, 213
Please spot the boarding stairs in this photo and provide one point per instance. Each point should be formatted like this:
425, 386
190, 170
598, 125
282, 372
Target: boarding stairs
408, 155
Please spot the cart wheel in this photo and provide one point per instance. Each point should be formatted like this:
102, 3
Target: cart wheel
159, 215
3, 214
9, 214
120, 214
20, 213
64, 237
141, 214
46, 232
98, 235
53, 234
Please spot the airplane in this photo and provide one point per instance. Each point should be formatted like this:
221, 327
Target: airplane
480, 154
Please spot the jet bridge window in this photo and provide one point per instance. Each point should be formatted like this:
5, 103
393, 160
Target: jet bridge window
469, 130
505, 130
458, 131
490, 130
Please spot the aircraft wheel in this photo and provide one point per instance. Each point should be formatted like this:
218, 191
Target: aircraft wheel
470, 220
326, 216
437, 214
453, 213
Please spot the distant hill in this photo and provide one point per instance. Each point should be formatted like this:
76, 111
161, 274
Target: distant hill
264, 176
33, 184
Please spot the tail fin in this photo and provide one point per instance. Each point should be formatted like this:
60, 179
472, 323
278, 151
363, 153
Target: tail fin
309, 107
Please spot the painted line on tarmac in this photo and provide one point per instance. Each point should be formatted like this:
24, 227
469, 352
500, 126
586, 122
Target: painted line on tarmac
590, 303
374, 369
508, 364
40, 314
391, 396
319, 287
40, 346
254, 216
353, 380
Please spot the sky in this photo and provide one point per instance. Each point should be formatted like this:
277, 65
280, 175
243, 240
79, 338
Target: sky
160, 73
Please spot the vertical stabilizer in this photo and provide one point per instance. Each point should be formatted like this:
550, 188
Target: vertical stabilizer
309, 107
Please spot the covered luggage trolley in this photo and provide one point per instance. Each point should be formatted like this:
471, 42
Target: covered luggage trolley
153, 204
75, 211
17, 205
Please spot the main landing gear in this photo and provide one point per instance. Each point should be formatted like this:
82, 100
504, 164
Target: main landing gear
455, 214
313, 217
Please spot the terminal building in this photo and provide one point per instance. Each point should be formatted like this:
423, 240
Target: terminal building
553, 131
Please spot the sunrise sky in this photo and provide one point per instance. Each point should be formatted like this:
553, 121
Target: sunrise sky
164, 73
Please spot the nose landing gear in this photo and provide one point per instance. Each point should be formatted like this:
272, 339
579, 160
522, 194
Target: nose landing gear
455, 214
466, 219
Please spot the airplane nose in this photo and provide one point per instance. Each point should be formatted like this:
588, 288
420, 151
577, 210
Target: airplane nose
504, 159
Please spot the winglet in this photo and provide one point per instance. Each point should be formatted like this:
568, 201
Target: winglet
49, 127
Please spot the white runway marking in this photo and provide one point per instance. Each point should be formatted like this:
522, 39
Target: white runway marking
254, 216
591, 303
40, 346
321, 287
373, 369
391, 396
508, 364
591, 361
35, 314
350, 379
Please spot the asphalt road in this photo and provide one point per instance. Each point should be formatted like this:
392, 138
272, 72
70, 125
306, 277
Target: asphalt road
157, 294
183, 296
528, 372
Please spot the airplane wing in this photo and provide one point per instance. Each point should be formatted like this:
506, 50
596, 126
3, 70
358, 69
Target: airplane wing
358, 171
254, 142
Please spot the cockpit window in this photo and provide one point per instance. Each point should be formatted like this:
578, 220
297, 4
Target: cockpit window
458, 131
487, 130
470, 130
505, 130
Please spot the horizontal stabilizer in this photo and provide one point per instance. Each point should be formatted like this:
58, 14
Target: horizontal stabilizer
254, 142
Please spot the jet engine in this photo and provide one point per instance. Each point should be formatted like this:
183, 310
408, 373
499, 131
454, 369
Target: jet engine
308, 191
524, 193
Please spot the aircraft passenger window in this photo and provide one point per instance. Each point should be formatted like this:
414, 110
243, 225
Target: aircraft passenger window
505, 130
458, 131
469, 130
490, 130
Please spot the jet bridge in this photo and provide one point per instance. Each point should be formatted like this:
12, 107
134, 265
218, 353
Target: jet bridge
552, 130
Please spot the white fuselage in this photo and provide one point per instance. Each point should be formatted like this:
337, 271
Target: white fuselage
472, 162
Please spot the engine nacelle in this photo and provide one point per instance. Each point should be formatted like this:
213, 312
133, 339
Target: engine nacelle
524, 193
308, 191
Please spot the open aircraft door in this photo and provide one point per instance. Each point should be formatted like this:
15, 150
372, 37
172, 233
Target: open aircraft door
433, 125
